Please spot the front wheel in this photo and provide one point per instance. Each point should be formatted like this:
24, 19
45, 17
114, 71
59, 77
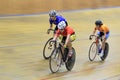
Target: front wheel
71, 61
92, 51
55, 60
105, 51
48, 48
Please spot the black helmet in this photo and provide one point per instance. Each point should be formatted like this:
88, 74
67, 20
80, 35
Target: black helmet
98, 22
52, 13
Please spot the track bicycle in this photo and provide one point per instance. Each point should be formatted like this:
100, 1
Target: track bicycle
95, 46
48, 47
58, 57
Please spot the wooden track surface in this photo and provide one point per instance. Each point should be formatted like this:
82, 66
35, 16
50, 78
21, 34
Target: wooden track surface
22, 40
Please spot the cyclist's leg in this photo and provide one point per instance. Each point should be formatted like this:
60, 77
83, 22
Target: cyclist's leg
103, 44
63, 41
99, 34
104, 40
107, 35
69, 45
72, 38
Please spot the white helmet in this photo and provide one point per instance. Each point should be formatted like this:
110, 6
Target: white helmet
62, 25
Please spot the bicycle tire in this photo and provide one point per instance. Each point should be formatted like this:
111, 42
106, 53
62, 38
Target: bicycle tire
55, 55
90, 54
106, 50
44, 50
71, 61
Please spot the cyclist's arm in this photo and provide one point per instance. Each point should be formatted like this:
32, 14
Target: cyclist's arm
104, 34
48, 31
94, 31
104, 31
55, 37
51, 25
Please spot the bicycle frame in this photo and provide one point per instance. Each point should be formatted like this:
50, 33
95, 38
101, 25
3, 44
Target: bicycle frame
60, 46
98, 41
51, 29
62, 55
97, 38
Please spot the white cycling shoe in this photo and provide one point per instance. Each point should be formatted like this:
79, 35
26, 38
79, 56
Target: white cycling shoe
101, 54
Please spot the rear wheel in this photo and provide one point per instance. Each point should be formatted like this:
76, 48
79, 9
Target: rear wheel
105, 51
92, 51
55, 60
48, 48
71, 61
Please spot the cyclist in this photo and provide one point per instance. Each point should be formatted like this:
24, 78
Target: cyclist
55, 19
103, 31
68, 36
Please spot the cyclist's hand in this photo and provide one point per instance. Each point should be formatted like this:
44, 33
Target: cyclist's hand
64, 46
90, 37
48, 31
53, 41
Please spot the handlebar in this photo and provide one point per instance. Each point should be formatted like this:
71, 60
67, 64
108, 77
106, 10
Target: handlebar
91, 36
55, 41
48, 31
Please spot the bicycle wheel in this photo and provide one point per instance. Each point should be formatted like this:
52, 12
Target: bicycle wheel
105, 51
48, 48
92, 51
71, 61
55, 60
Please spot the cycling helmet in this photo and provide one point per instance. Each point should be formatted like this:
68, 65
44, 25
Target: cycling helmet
98, 22
61, 25
52, 13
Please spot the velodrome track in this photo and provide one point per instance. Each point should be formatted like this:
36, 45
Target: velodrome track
22, 39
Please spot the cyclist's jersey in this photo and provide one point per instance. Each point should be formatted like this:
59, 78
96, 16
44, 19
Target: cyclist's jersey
67, 30
58, 19
103, 28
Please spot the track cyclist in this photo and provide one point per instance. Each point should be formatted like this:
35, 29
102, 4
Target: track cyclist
55, 19
103, 31
68, 36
